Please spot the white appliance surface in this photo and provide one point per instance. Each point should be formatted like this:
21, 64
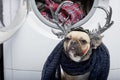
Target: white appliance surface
26, 52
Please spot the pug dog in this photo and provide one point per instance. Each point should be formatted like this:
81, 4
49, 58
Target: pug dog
77, 46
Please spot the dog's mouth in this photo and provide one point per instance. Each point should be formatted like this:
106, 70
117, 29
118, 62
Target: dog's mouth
75, 54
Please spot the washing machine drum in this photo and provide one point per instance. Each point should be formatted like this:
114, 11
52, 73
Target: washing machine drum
77, 12
73, 12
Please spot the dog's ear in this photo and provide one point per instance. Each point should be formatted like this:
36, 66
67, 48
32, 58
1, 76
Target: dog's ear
96, 41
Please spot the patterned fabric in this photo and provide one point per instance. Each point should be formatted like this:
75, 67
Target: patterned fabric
99, 68
73, 12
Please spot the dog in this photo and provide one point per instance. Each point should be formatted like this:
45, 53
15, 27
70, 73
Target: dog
76, 45
77, 61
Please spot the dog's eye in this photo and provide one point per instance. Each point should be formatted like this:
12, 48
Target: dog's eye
83, 42
67, 39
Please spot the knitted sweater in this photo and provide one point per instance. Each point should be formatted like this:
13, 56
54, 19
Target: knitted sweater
98, 66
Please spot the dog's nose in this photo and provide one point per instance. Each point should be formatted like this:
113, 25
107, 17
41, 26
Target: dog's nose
73, 43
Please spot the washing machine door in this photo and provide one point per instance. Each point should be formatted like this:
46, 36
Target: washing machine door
8, 31
90, 14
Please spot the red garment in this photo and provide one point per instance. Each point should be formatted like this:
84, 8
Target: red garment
74, 13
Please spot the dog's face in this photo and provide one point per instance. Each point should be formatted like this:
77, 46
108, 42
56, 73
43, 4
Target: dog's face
76, 44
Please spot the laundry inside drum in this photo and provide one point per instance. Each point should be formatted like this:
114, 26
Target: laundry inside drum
68, 13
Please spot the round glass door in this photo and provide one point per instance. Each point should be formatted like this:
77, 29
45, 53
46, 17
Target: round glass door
79, 12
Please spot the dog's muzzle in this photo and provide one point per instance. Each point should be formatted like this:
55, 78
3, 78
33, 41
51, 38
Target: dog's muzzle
75, 48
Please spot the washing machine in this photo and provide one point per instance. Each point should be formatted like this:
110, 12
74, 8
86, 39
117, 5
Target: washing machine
28, 41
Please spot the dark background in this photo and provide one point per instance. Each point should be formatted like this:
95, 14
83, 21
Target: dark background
1, 62
1, 45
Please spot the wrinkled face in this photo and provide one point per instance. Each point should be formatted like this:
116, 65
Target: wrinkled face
76, 45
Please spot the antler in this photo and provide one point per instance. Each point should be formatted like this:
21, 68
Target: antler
64, 30
61, 26
95, 35
108, 22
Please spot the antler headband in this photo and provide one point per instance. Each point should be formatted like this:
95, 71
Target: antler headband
65, 28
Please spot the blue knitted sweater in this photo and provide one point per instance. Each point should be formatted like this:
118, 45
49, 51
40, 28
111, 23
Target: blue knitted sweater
98, 64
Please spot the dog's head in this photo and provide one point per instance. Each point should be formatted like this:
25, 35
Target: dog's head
76, 45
